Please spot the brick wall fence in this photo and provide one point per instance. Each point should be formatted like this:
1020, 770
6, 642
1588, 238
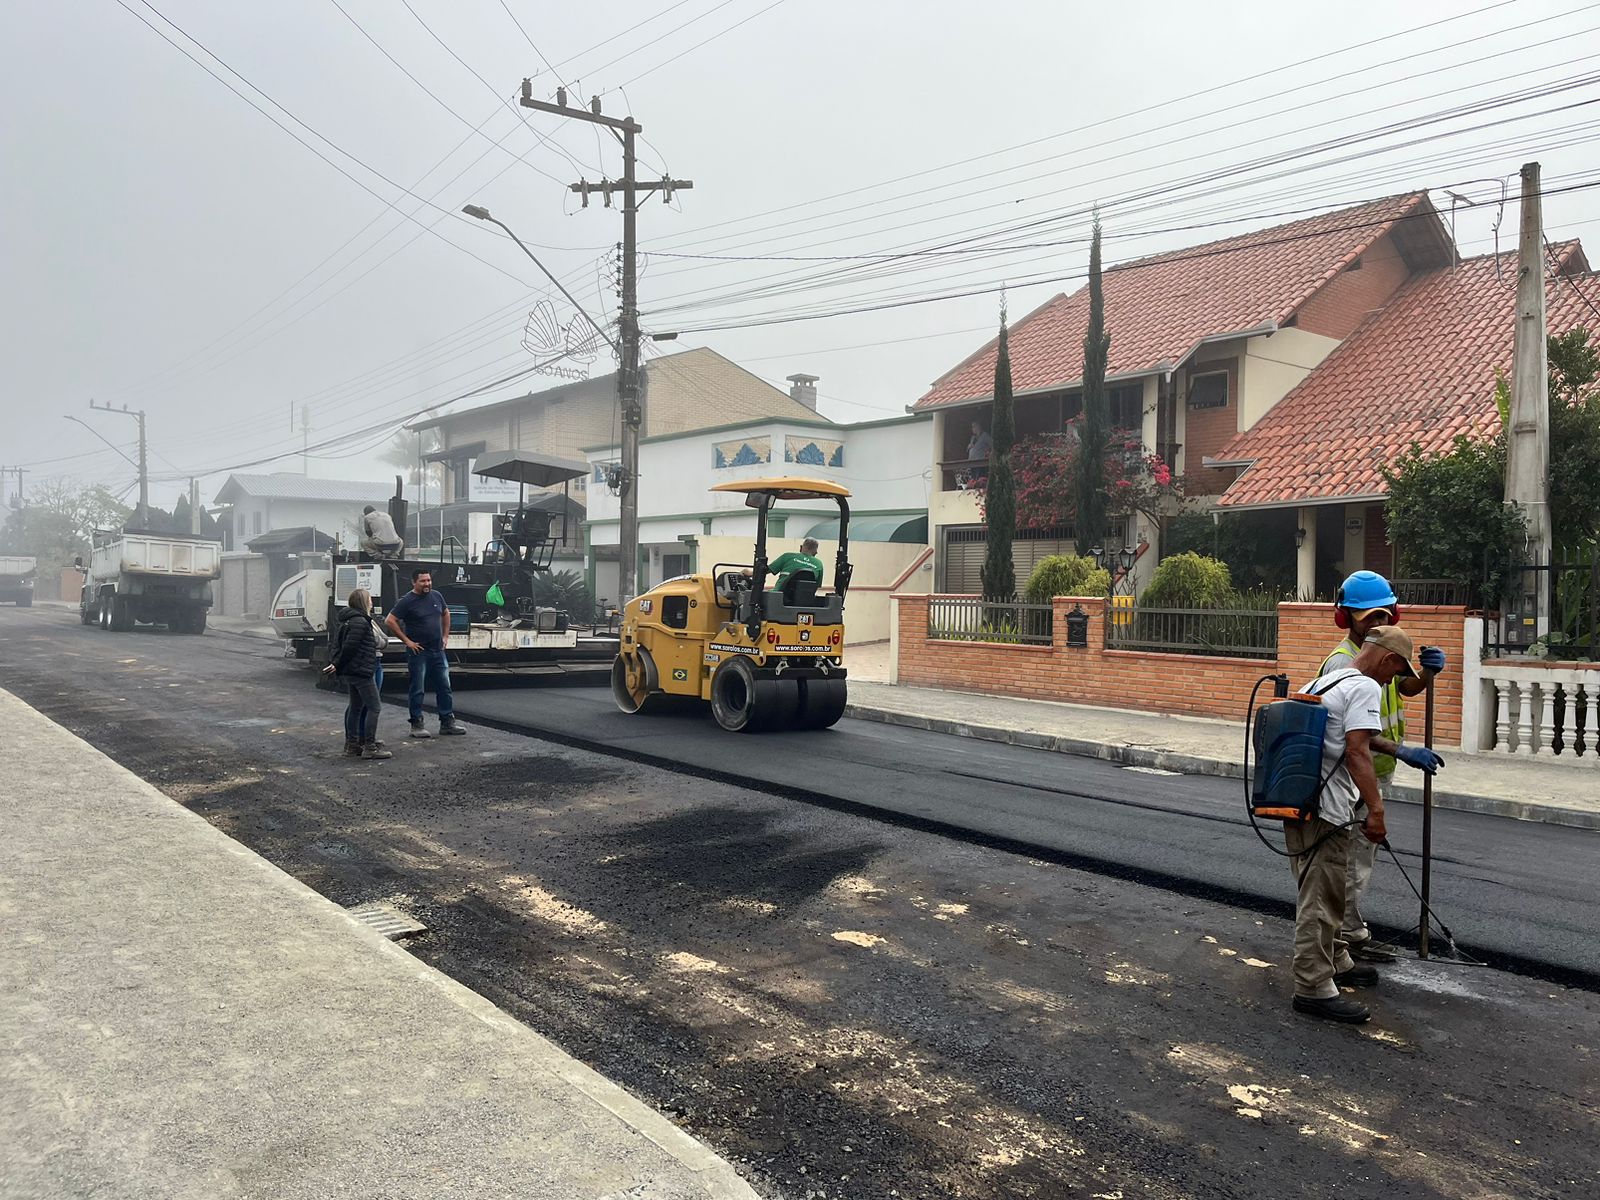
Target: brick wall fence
1192, 684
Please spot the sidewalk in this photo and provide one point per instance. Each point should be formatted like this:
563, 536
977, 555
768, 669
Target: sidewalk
182, 1019
1529, 789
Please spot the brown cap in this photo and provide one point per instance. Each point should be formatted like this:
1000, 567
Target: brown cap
1361, 614
1395, 640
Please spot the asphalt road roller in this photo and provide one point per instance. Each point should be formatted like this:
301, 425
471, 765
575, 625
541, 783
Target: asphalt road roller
761, 642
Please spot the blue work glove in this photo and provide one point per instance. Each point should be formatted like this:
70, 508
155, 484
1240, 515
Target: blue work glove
1432, 659
1419, 757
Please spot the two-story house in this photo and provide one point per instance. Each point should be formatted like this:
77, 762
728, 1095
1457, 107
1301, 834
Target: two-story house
1205, 342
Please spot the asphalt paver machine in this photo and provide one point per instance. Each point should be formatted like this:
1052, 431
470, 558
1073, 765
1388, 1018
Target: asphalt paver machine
495, 619
764, 658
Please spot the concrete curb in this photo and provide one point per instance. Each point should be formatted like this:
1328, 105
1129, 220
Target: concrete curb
717, 1178
1190, 764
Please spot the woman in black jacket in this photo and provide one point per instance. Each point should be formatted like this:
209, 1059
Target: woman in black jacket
355, 662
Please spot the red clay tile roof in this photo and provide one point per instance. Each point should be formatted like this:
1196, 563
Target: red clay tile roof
1159, 308
1420, 370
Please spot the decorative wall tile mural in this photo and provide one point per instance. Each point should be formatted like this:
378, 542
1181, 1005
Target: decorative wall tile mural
813, 452
741, 452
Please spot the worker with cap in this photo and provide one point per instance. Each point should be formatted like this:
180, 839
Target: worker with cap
1365, 601
1350, 810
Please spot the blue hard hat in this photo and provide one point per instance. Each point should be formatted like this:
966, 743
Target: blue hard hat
1363, 590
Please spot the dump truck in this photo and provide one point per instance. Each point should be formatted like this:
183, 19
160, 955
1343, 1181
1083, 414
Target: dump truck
149, 578
16, 579
762, 657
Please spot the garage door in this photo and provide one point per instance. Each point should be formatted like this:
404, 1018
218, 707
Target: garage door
965, 545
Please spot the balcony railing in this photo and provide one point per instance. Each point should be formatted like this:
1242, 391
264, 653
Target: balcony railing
1228, 633
973, 619
956, 473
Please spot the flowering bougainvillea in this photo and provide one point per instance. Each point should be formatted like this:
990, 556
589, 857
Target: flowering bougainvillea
1046, 469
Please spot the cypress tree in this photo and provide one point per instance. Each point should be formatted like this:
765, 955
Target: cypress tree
1000, 493
1094, 434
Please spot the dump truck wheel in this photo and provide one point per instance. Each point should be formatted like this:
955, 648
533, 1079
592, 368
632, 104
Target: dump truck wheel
121, 614
822, 702
630, 682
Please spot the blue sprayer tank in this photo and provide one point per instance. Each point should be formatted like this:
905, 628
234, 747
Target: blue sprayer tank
1287, 741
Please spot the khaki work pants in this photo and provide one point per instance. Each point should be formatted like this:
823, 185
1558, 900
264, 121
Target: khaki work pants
1363, 855
1319, 946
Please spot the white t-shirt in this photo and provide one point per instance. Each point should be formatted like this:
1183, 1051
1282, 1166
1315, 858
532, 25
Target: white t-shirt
1352, 701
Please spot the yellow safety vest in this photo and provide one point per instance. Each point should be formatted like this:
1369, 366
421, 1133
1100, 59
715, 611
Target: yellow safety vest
1391, 708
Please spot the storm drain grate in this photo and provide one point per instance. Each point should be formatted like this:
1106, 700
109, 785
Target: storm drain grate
387, 920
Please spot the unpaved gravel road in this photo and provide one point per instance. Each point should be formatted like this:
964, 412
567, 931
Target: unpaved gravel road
841, 1007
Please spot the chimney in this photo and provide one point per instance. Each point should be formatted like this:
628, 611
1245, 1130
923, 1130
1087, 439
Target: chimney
804, 389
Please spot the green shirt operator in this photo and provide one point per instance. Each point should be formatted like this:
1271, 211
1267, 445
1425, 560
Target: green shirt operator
786, 564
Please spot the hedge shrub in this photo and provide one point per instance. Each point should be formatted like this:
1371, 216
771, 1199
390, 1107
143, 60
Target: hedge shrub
1189, 580
1066, 575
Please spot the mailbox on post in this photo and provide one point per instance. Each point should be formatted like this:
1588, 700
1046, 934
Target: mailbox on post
1078, 627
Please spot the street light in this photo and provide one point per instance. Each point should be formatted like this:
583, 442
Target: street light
478, 212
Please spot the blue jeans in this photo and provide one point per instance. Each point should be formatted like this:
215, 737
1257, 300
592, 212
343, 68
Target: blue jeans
428, 669
353, 719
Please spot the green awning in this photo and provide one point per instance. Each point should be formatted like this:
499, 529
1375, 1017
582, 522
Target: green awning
911, 530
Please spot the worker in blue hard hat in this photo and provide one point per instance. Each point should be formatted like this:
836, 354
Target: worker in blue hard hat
1364, 601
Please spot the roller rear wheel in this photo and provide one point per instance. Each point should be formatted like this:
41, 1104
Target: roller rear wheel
822, 702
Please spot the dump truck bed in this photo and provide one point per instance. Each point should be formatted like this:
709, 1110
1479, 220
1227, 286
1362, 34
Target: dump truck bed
146, 554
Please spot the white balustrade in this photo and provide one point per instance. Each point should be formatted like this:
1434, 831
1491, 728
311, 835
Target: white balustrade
1504, 725
1526, 726
1525, 722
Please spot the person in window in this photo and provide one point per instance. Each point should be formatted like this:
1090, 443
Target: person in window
981, 445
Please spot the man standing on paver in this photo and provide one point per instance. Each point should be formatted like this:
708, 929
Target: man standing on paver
1319, 848
421, 620
1363, 602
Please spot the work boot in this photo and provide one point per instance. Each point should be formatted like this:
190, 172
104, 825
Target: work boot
352, 749
374, 751
1361, 975
419, 730
1335, 1008
1372, 950
450, 727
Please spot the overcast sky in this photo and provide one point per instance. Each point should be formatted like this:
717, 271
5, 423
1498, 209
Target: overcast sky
170, 248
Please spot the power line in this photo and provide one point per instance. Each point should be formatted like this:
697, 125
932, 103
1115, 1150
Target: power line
1229, 176
123, 4
1149, 108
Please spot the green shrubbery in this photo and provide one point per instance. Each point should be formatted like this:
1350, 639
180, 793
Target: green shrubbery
1066, 575
1190, 580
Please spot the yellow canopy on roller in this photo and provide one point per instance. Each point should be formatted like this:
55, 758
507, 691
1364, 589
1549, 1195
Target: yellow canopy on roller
784, 487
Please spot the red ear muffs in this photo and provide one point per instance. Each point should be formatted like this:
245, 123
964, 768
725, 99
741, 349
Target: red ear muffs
1341, 617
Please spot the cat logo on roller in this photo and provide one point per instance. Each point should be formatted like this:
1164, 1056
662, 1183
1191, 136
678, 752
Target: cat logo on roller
771, 641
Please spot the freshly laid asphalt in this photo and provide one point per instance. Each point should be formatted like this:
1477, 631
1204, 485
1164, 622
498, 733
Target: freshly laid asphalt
842, 1007
1514, 893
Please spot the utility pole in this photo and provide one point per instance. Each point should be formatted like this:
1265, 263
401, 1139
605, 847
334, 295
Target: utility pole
19, 472
1528, 439
194, 506
144, 469
305, 436
626, 130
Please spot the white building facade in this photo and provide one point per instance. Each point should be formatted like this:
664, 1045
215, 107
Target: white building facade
685, 527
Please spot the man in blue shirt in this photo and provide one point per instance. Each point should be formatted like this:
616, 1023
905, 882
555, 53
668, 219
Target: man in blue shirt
421, 620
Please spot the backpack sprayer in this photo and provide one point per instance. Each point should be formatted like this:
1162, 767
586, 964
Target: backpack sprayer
1287, 736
